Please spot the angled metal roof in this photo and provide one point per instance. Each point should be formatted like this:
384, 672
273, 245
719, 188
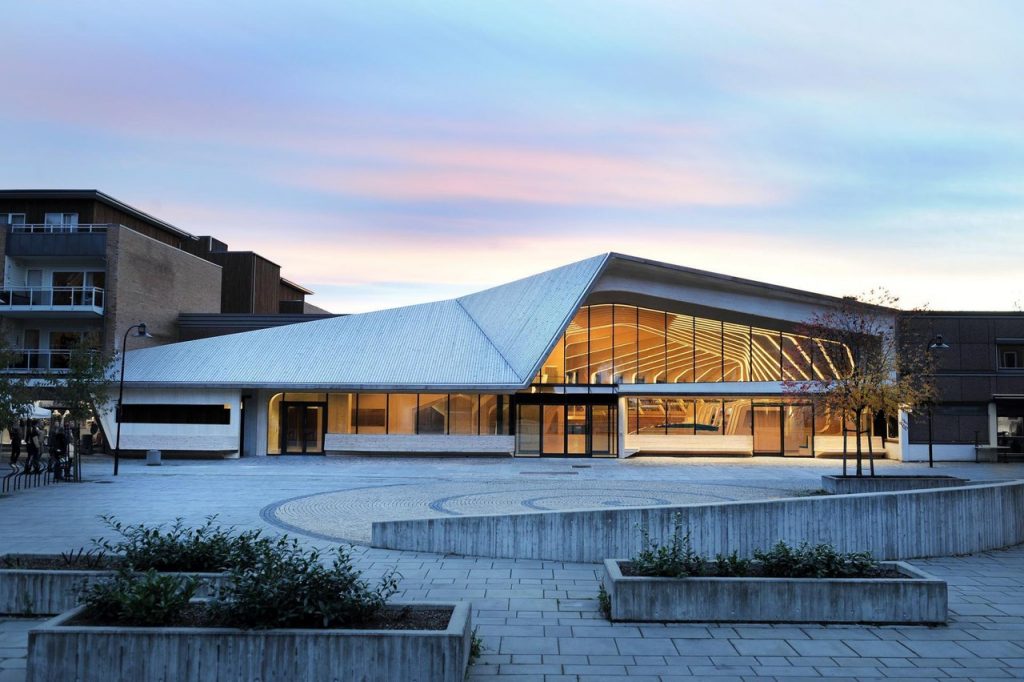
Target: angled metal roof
492, 339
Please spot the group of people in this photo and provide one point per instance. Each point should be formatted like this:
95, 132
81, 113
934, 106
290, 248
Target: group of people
35, 440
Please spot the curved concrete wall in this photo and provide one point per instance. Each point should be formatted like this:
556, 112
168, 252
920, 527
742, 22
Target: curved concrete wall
891, 526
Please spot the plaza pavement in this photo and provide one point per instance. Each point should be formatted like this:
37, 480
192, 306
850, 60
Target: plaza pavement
539, 620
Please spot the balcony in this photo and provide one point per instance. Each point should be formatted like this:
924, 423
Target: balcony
49, 241
52, 302
35, 361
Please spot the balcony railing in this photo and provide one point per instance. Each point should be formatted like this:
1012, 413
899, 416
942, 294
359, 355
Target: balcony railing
38, 228
35, 360
62, 299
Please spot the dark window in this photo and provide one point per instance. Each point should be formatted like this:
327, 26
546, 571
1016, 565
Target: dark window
1011, 356
155, 413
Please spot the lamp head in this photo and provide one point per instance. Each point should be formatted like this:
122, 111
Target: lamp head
938, 344
141, 332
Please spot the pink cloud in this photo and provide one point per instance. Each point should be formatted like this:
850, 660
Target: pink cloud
464, 171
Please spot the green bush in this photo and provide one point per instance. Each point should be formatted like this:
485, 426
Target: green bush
209, 547
290, 587
674, 560
131, 598
677, 559
814, 561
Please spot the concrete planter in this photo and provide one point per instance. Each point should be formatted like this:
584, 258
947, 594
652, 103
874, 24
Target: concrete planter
851, 485
86, 653
45, 592
915, 598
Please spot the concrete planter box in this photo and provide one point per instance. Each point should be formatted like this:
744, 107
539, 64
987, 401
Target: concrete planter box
45, 592
915, 598
87, 653
851, 485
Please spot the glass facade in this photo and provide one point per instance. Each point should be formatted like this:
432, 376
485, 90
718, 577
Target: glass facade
383, 413
786, 427
623, 344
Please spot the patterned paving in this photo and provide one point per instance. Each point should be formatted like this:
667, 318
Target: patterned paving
346, 515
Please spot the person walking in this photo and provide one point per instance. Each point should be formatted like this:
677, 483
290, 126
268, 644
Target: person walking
14, 431
33, 448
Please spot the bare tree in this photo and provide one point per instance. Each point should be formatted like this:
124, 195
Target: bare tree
882, 368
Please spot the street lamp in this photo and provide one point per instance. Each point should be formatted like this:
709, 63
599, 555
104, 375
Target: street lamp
140, 332
935, 344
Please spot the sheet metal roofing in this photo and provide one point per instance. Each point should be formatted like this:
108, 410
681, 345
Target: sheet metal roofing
491, 339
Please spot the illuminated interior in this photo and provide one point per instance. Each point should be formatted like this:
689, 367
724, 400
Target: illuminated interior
623, 344
381, 414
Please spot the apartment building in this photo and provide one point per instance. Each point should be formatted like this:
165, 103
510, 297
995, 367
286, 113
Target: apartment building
80, 263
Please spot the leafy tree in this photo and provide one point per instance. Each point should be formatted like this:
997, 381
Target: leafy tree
884, 368
13, 392
86, 388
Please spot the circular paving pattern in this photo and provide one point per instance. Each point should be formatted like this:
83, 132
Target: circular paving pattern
346, 515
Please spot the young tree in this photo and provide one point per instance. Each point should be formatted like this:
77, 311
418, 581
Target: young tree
879, 369
85, 389
13, 392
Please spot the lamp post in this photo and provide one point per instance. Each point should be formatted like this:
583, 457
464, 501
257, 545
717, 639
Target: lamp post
139, 333
935, 344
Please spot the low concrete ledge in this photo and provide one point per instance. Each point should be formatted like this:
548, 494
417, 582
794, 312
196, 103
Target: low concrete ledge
916, 597
35, 592
58, 652
339, 443
892, 526
852, 485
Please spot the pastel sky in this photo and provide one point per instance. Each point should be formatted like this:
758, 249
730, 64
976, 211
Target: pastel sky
387, 153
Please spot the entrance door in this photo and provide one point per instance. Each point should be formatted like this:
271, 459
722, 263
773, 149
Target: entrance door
303, 431
767, 430
577, 430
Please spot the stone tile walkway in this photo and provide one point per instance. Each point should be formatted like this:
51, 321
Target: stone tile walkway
539, 620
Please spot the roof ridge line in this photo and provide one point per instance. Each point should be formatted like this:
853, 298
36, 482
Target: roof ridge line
489, 339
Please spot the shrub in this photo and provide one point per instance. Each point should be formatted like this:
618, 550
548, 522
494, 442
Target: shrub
290, 587
675, 560
814, 561
730, 566
209, 547
131, 598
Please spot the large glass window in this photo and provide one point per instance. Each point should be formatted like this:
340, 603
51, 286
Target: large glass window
402, 413
708, 342
372, 413
737, 418
577, 348
528, 430
601, 333
766, 355
432, 416
797, 357
708, 417
464, 414
679, 421
651, 363
625, 344
650, 416
736, 344
339, 412
679, 348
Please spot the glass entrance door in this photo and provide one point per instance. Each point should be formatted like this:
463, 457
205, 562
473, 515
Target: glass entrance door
303, 431
560, 429
767, 430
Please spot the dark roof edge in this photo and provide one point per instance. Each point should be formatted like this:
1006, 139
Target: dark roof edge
98, 196
736, 280
298, 287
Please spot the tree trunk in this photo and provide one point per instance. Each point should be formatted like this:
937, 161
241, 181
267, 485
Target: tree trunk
860, 451
842, 417
871, 451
